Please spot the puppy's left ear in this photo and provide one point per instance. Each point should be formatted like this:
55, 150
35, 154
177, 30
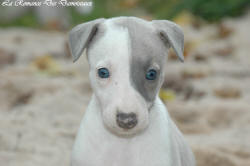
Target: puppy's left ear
81, 35
172, 35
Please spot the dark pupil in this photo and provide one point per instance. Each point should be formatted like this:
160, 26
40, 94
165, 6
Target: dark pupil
103, 73
151, 75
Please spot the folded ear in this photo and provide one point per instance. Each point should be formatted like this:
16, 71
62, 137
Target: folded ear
81, 35
172, 35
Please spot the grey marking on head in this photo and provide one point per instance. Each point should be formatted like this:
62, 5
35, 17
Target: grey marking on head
147, 49
149, 45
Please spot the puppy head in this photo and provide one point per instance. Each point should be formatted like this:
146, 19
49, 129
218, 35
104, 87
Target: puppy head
126, 56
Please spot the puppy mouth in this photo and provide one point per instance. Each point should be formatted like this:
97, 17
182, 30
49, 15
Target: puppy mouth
128, 132
122, 132
128, 125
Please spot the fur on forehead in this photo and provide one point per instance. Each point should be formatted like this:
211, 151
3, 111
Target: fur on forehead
111, 44
147, 51
141, 33
83, 35
146, 44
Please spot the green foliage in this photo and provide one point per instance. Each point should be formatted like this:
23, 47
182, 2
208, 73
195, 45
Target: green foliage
103, 9
99, 10
211, 10
28, 19
214, 10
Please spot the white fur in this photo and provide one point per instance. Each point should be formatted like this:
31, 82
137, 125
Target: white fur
154, 141
115, 93
96, 146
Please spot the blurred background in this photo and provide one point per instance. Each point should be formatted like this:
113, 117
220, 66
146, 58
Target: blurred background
43, 95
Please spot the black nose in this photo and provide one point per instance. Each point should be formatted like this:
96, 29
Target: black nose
126, 120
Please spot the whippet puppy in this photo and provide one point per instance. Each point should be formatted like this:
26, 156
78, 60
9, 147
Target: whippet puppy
126, 123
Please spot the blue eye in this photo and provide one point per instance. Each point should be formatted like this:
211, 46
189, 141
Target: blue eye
151, 74
103, 72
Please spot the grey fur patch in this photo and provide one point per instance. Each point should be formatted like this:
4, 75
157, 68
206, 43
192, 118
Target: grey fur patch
171, 35
149, 45
147, 49
80, 37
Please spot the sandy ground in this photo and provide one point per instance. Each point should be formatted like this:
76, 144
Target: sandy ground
43, 95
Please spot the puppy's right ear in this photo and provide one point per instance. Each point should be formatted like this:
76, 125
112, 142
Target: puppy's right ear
81, 35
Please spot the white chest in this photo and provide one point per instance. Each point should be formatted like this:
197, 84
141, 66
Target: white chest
96, 146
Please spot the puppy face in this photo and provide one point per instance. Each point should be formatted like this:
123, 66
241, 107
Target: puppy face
133, 70
126, 56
